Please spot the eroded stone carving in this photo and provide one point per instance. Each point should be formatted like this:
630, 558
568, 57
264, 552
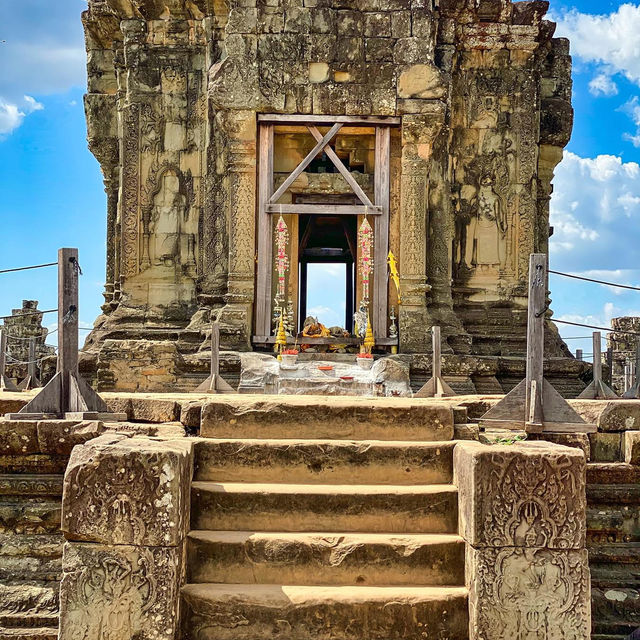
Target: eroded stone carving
528, 593
119, 592
121, 490
527, 496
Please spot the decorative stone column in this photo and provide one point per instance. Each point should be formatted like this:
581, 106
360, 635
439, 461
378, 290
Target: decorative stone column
417, 136
236, 316
523, 516
125, 514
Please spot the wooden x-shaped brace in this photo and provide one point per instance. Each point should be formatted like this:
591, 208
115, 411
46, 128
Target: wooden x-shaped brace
323, 143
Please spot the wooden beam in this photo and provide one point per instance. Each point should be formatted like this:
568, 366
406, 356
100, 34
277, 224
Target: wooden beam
320, 145
265, 240
346, 174
324, 209
317, 120
534, 405
535, 340
381, 231
435, 387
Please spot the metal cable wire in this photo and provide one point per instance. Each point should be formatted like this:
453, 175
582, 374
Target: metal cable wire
591, 326
609, 284
29, 313
34, 266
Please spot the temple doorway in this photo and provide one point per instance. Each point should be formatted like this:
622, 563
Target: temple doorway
327, 252
323, 204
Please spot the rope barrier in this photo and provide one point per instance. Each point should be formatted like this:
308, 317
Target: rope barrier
609, 284
35, 266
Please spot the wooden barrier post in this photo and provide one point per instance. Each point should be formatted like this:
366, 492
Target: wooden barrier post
6, 384
215, 383
534, 405
610, 366
633, 385
67, 395
436, 387
598, 389
579, 354
31, 381
535, 341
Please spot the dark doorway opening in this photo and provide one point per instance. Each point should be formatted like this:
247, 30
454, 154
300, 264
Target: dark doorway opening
327, 239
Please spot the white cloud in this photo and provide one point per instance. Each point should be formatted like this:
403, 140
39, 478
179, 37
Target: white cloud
38, 57
602, 84
595, 212
632, 109
12, 115
609, 40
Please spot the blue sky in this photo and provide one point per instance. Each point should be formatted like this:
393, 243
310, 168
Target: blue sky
51, 191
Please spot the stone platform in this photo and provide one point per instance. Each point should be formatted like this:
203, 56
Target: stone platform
386, 451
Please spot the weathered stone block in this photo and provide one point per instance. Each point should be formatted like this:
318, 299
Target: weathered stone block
18, 437
620, 415
606, 447
542, 593
576, 440
120, 592
400, 24
632, 447
120, 490
525, 494
379, 49
60, 436
377, 24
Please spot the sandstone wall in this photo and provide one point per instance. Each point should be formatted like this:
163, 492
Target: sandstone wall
483, 93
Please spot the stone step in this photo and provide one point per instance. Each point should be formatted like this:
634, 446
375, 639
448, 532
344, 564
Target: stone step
342, 418
325, 558
318, 508
31, 484
263, 612
29, 515
28, 621
41, 598
324, 461
43, 633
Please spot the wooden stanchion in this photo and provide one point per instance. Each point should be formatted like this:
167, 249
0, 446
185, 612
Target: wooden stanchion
579, 354
67, 395
31, 381
633, 392
436, 387
6, 383
610, 366
597, 389
215, 383
534, 405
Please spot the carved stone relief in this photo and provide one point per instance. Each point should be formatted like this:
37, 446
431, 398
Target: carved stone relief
527, 593
525, 495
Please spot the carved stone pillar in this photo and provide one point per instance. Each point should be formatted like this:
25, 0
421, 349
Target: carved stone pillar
414, 318
236, 316
523, 517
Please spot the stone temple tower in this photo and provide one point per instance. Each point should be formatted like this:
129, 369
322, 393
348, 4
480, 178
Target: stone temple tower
440, 122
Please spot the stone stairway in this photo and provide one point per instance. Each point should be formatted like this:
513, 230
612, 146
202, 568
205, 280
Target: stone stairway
613, 530
30, 556
306, 529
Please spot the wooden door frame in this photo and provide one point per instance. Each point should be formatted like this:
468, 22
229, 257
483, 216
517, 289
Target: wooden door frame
378, 209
